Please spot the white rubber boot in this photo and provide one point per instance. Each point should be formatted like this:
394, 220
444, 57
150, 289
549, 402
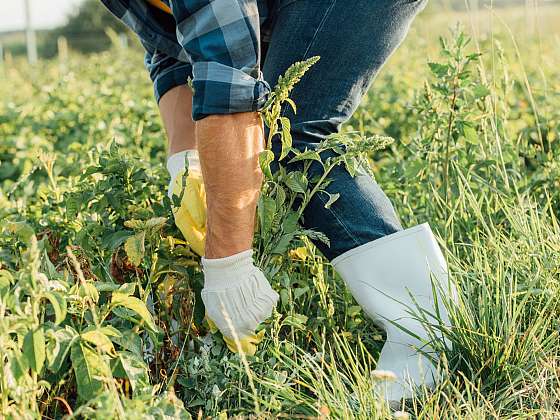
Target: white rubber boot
384, 277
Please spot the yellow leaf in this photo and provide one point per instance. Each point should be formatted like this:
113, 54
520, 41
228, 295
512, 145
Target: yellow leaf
135, 248
100, 340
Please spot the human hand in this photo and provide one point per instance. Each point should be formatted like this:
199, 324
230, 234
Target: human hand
190, 216
237, 301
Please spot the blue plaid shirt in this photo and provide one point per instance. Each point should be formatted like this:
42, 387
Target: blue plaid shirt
214, 42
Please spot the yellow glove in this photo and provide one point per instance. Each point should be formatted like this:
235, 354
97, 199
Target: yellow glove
248, 344
190, 216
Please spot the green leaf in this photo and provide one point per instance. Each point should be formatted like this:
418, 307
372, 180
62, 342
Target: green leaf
265, 159
59, 347
23, 231
156, 223
332, 199
130, 366
106, 286
127, 289
470, 134
90, 370
473, 56
292, 104
266, 211
307, 155
290, 222
169, 407
73, 204
99, 339
88, 290
48, 268
439, 70
413, 168
354, 310
135, 248
58, 303
315, 235
85, 290
34, 348
135, 224
115, 239
110, 331
300, 291
129, 341
280, 197
284, 297
351, 165
136, 305
90, 170
297, 182
18, 365
6, 279
286, 137
297, 321
481, 91
283, 244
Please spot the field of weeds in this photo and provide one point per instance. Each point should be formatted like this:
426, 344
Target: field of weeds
100, 309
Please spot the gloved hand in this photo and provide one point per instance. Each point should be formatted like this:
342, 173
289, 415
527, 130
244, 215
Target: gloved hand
190, 216
237, 297
248, 344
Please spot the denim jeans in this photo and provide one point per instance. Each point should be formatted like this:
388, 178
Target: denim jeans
354, 38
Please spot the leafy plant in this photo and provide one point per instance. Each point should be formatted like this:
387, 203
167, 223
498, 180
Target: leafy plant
100, 310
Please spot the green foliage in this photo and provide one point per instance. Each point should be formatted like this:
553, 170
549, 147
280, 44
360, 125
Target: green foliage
100, 310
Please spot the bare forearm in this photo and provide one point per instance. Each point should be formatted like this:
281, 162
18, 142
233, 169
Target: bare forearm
229, 146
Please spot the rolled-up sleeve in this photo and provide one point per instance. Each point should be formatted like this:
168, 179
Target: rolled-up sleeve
221, 38
166, 72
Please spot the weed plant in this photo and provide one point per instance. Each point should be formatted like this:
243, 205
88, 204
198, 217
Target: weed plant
100, 309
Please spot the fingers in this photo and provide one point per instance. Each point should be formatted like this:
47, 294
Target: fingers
247, 343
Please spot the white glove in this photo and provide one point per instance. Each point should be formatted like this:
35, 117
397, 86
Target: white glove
176, 165
237, 297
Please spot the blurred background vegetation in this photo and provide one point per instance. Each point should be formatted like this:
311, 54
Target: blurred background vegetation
87, 29
477, 153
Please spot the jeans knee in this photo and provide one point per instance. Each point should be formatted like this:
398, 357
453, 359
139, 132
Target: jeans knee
361, 214
313, 131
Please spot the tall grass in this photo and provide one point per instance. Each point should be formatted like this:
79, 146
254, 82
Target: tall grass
476, 123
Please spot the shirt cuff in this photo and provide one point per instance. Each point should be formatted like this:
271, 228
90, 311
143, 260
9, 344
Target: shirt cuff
220, 89
178, 75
